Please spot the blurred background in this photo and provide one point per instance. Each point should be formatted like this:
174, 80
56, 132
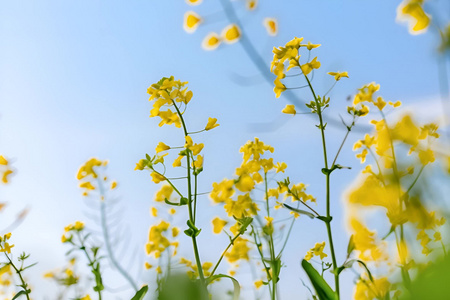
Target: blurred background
73, 81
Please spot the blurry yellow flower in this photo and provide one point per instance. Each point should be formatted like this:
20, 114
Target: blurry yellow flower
148, 266
412, 12
280, 167
231, 34
177, 161
87, 297
212, 123
154, 212
289, 109
308, 67
5, 175
172, 211
3, 161
158, 270
175, 231
218, 225
157, 178
222, 191
78, 226
338, 75
245, 183
251, 4
88, 168
194, 2
239, 251
258, 284
426, 156
271, 25
191, 21
113, 185
87, 185
211, 41
164, 193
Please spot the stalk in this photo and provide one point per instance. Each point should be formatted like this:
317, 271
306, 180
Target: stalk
330, 236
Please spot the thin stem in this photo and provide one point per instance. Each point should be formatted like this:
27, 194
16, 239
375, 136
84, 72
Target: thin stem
91, 262
191, 215
223, 254
19, 272
330, 237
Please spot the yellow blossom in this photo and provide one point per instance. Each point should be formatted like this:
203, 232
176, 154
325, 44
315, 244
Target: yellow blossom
175, 231
88, 168
161, 147
289, 109
316, 251
412, 12
148, 266
194, 2
212, 123
231, 34
113, 185
211, 41
251, 4
238, 251
338, 75
191, 21
157, 178
271, 25
258, 283
164, 193
279, 88
154, 212
308, 67
218, 225
310, 46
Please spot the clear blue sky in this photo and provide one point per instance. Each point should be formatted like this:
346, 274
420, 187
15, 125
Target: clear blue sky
73, 80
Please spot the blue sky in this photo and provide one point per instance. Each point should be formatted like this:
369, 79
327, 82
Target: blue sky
73, 80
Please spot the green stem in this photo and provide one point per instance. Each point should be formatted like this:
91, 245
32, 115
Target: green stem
223, 254
271, 244
191, 215
19, 272
330, 237
91, 262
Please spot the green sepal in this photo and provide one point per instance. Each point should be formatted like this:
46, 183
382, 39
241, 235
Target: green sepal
325, 219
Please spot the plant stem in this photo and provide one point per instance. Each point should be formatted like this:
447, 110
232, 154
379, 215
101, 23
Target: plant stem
19, 272
190, 201
223, 254
107, 240
330, 237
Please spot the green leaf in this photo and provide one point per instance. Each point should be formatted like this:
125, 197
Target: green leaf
322, 288
302, 212
141, 293
236, 286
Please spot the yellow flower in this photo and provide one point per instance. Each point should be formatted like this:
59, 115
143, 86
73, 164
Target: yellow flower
191, 21
222, 191
271, 25
172, 211
78, 226
3, 161
87, 185
308, 67
338, 75
5, 175
177, 161
88, 168
412, 12
164, 193
158, 270
289, 109
148, 266
426, 156
316, 251
212, 123
175, 231
280, 167
218, 225
198, 163
113, 185
251, 4
239, 251
211, 41
161, 147
231, 34
194, 2
279, 87
87, 297
157, 178
310, 46
258, 284
154, 212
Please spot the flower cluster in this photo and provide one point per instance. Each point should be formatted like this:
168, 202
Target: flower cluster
91, 179
229, 34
